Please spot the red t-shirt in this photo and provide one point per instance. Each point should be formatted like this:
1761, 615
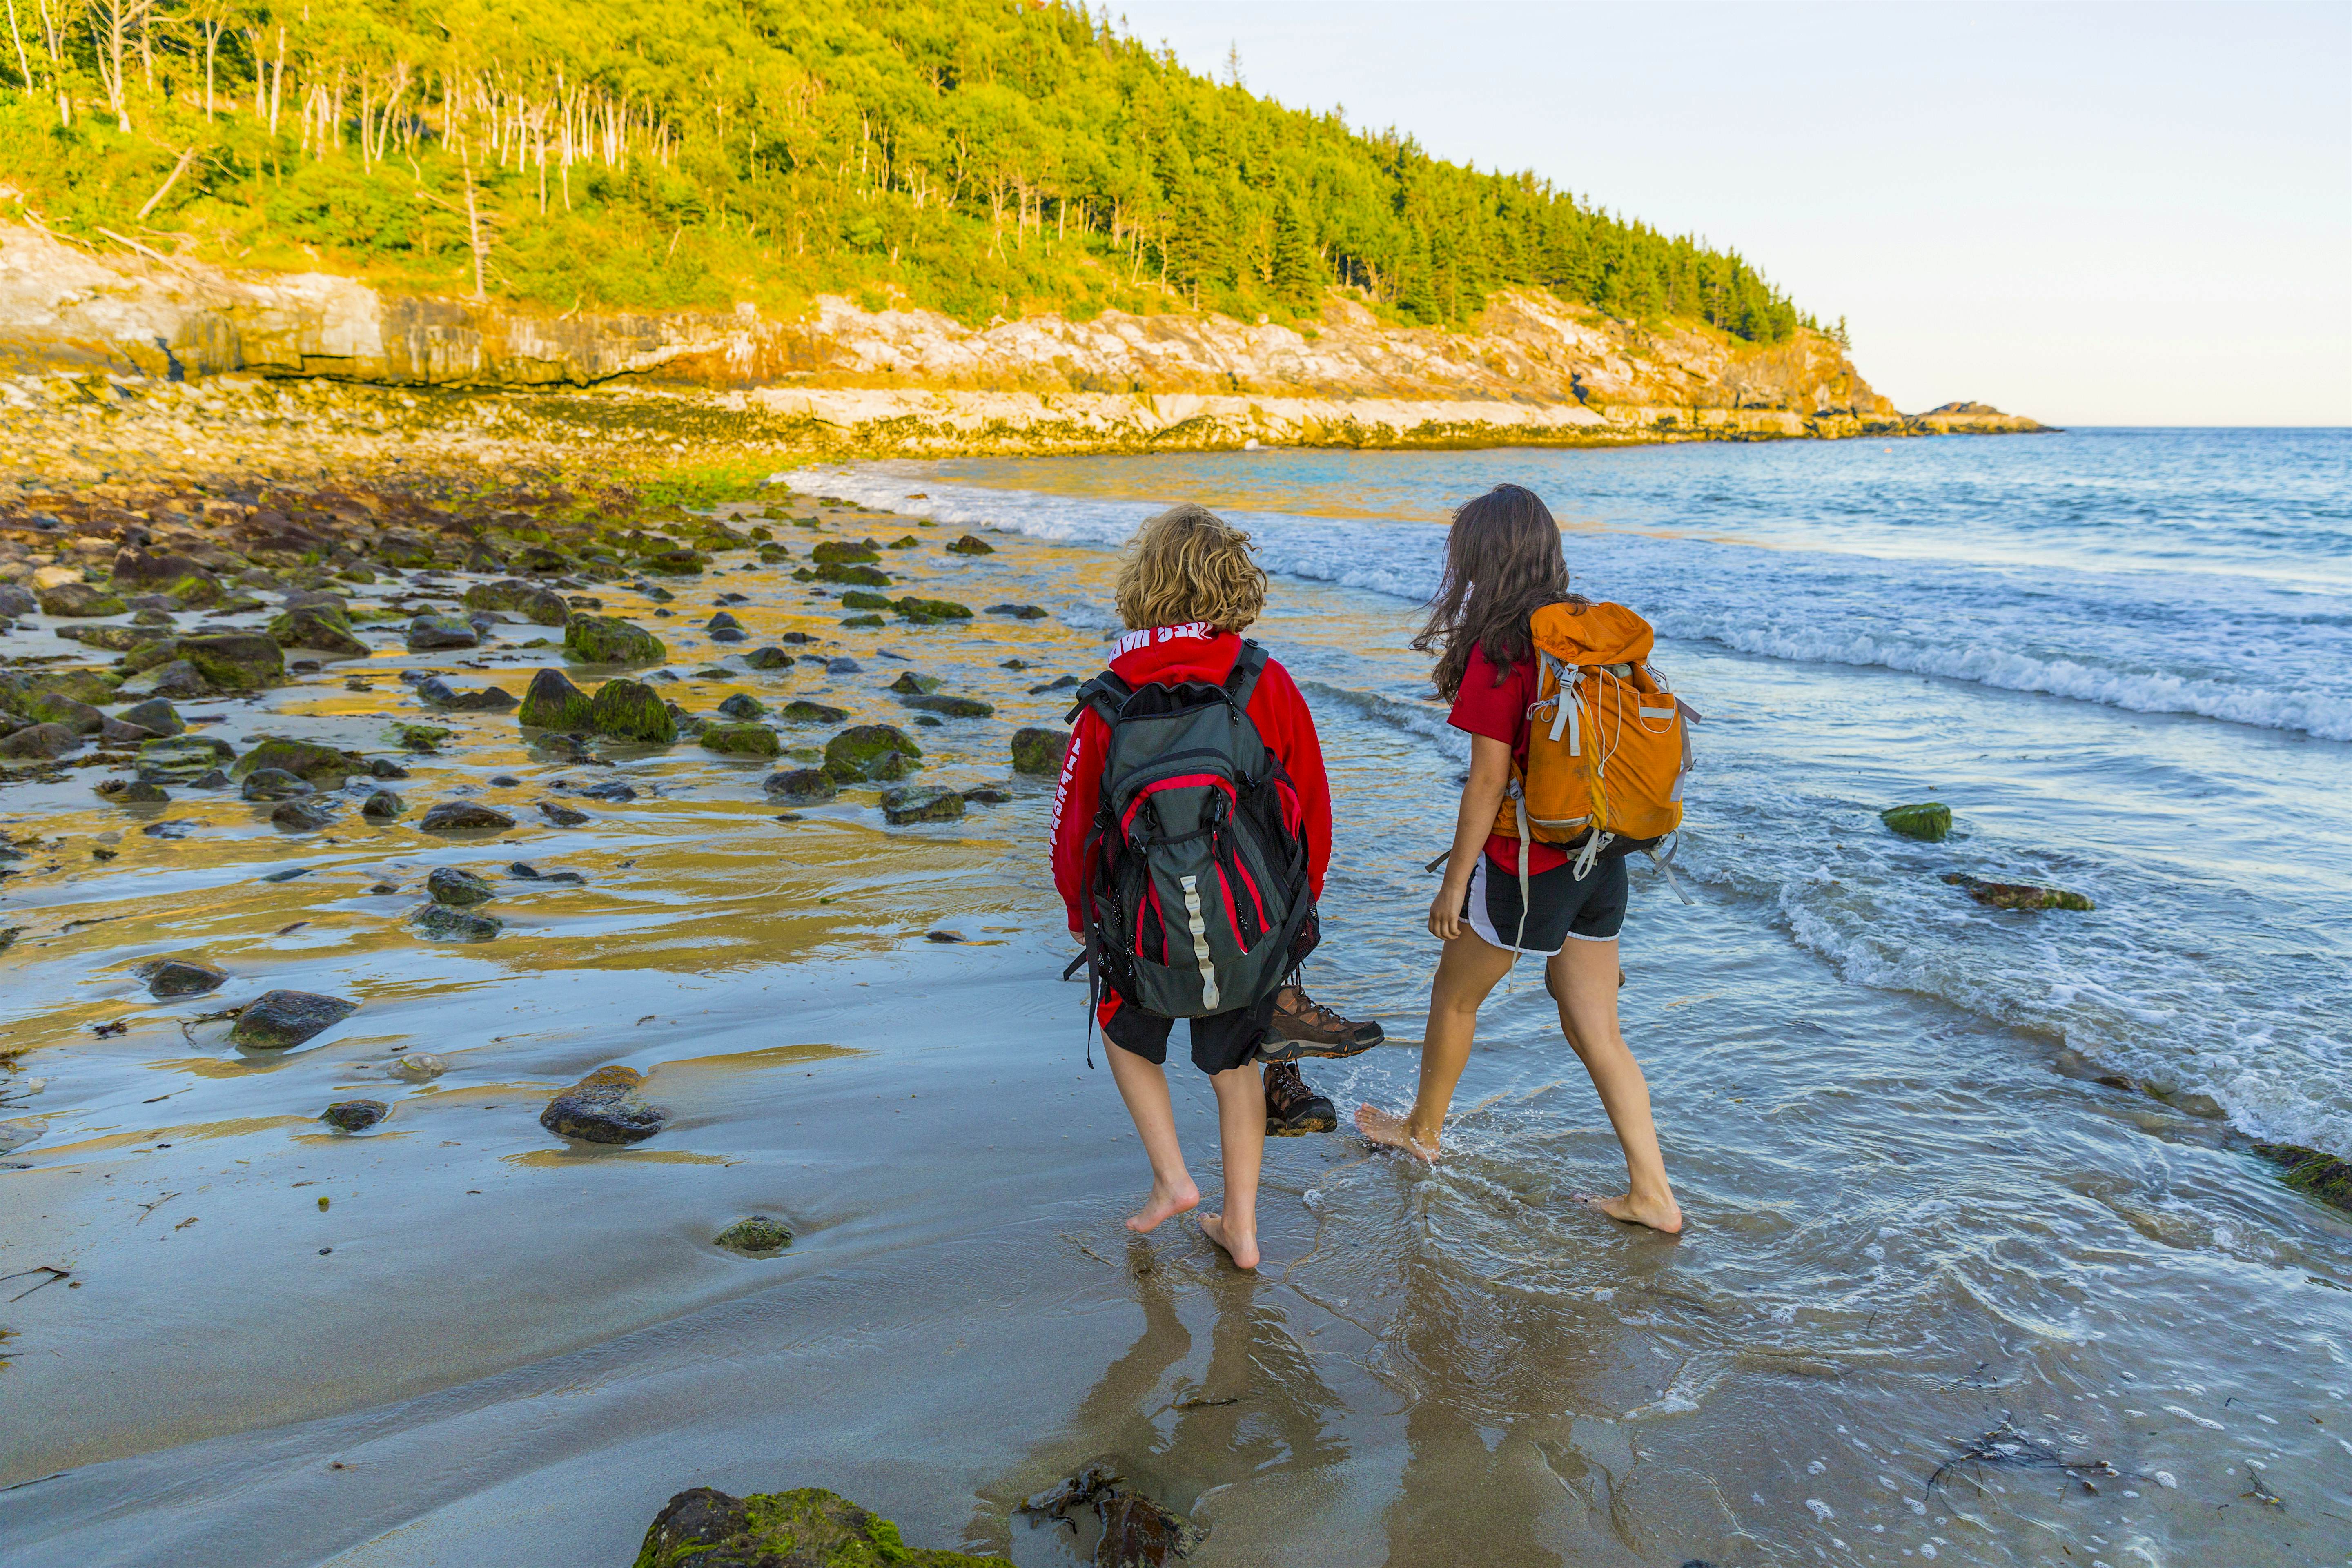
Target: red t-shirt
1499, 712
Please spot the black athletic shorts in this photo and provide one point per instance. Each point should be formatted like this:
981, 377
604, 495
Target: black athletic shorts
1220, 1043
1560, 910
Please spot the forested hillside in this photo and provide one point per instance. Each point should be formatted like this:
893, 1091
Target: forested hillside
982, 158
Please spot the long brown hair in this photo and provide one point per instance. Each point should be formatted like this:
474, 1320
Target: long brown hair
1503, 563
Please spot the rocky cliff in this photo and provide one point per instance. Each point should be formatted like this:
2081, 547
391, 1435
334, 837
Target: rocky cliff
1535, 369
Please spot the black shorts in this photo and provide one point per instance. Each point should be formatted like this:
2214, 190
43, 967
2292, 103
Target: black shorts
1560, 910
1220, 1043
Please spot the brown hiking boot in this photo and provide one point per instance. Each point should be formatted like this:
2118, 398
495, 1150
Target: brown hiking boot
1292, 1108
1301, 1026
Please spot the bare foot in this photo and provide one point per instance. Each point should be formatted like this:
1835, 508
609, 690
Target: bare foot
1665, 1217
1242, 1249
1387, 1129
1160, 1203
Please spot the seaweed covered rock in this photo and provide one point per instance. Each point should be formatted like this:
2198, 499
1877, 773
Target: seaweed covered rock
383, 805
80, 599
322, 767
1929, 822
135, 571
632, 710
264, 784
318, 627
767, 658
870, 751
168, 978
155, 715
2017, 895
303, 816
740, 739
926, 611
910, 684
921, 803
354, 1115
604, 1108
459, 890
447, 924
969, 545
559, 814
57, 708
950, 707
428, 634
834, 572
743, 707
183, 759
477, 699
844, 552
864, 599
39, 742
234, 661
2324, 1176
553, 702
540, 606
1039, 752
809, 1526
799, 786
280, 1020
1020, 612
803, 711
607, 639
464, 817
755, 1236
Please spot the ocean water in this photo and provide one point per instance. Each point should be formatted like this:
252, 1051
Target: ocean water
2123, 656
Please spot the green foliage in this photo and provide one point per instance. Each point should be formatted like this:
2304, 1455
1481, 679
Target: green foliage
982, 160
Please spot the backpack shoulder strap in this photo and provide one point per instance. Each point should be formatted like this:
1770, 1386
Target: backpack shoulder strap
1106, 694
1241, 683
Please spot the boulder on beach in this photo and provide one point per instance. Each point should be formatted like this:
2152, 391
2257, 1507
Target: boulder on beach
921, 803
632, 710
864, 599
786, 1529
477, 700
767, 658
441, 921
181, 759
16, 602
743, 707
460, 889
57, 708
1020, 612
869, 752
138, 792
931, 610
1929, 822
834, 572
428, 634
606, 639
354, 1116
155, 715
910, 684
844, 552
799, 786
173, 678
280, 1020
80, 599
2017, 895
740, 739
540, 606
465, 817
421, 738
303, 816
557, 815
804, 712
264, 784
950, 707
168, 978
1038, 751
383, 805
2324, 1176
319, 628
137, 571
604, 1108
234, 661
39, 742
755, 1236
970, 546
323, 767
553, 702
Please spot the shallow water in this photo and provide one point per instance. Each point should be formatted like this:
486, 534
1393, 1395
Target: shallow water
1913, 1216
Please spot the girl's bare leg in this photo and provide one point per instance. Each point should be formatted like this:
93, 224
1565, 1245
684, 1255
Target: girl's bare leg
1241, 1125
1583, 977
1467, 971
1144, 1086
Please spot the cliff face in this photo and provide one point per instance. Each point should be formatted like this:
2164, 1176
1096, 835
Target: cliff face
1535, 369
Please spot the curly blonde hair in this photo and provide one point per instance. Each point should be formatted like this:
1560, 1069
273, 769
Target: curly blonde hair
1190, 564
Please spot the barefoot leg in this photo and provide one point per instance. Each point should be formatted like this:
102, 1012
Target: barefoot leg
1468, 969
1241, 1128
1583, 977
1144, 1086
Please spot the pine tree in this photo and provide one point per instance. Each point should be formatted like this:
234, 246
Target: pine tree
1299, 273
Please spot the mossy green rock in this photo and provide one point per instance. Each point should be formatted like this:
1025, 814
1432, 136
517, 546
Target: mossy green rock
767, 658
834, 571
864, 599
180, 759
804, 712
2018, 895
949, 706
910, 684
80, 599
632, 710
807, 1528
553, 702
863, 752
421, 738
235, 661
799, 786
2324, 1176
428, 633
755, 1236
968, 545
742, 705
322, 766
317, 626
57, 708
1929, 822
740, 739
606, 639
542, 607
916, 609
843, 553
107, 638
1039, 752
676, 562
921, 803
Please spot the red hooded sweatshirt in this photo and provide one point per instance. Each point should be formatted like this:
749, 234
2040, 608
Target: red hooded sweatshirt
1194, 651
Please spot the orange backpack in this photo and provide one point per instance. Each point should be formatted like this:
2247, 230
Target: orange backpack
1610, 742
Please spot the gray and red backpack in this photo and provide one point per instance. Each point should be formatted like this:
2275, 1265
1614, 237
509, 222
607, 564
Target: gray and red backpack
1197, 890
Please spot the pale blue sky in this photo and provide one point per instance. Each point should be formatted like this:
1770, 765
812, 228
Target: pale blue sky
2094, 213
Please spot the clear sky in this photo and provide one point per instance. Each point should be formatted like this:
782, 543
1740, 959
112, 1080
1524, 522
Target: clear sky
2113, 213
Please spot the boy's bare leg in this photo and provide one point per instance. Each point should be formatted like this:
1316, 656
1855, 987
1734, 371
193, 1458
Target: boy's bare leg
1241, 1126
1467, 971
1583, 977
1144, 1086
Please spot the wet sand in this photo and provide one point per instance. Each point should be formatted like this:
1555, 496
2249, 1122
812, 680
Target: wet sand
1908, 1227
